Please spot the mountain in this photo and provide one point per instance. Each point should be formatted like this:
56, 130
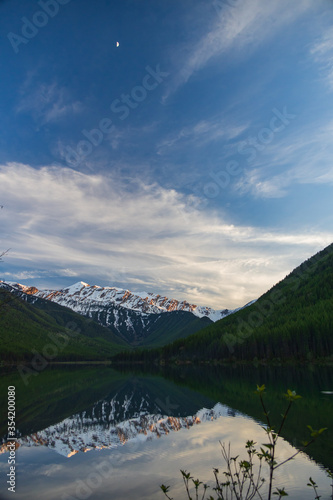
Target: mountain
293, 320
56, 330
83, 298
132, 328
140, 319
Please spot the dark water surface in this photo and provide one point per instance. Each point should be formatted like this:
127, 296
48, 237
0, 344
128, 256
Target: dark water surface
105, 433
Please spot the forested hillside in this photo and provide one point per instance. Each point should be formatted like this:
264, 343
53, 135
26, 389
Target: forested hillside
54, 331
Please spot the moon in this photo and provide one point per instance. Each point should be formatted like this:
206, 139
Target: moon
117, 44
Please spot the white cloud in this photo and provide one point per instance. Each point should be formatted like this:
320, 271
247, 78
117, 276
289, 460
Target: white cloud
24, 275
110, 228
50, 470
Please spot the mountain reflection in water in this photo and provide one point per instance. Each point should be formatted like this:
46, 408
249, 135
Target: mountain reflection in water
114, 421
81, 433
118, 416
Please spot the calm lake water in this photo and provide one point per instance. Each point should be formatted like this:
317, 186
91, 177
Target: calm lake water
106, 434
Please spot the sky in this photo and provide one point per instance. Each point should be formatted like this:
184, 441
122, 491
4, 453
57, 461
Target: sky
182, 148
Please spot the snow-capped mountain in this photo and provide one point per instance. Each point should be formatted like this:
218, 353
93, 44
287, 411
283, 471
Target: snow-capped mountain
139, 318
80, 295
114, 422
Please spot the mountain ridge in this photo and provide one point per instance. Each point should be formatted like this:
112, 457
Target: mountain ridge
144, 302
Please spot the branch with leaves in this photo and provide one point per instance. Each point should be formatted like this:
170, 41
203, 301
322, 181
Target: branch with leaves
243, 479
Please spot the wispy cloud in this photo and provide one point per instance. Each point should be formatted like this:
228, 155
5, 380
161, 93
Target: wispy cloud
247, 25
130, 135
304, 156
47, 103
201, 133
322, 52
105, 227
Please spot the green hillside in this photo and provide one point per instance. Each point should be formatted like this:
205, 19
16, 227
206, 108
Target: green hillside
48, 328
293, 320
172, 326
156, 330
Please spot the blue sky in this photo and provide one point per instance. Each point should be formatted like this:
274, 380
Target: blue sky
193, 160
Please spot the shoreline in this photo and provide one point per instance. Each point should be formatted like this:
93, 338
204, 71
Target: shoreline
289, 362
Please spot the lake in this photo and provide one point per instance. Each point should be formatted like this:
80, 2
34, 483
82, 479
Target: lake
104, 433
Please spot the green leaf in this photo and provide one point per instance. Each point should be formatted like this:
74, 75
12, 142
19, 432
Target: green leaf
196, 483
280, 492
329, 473
260, 389
186, 475
315, 433
292, 396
